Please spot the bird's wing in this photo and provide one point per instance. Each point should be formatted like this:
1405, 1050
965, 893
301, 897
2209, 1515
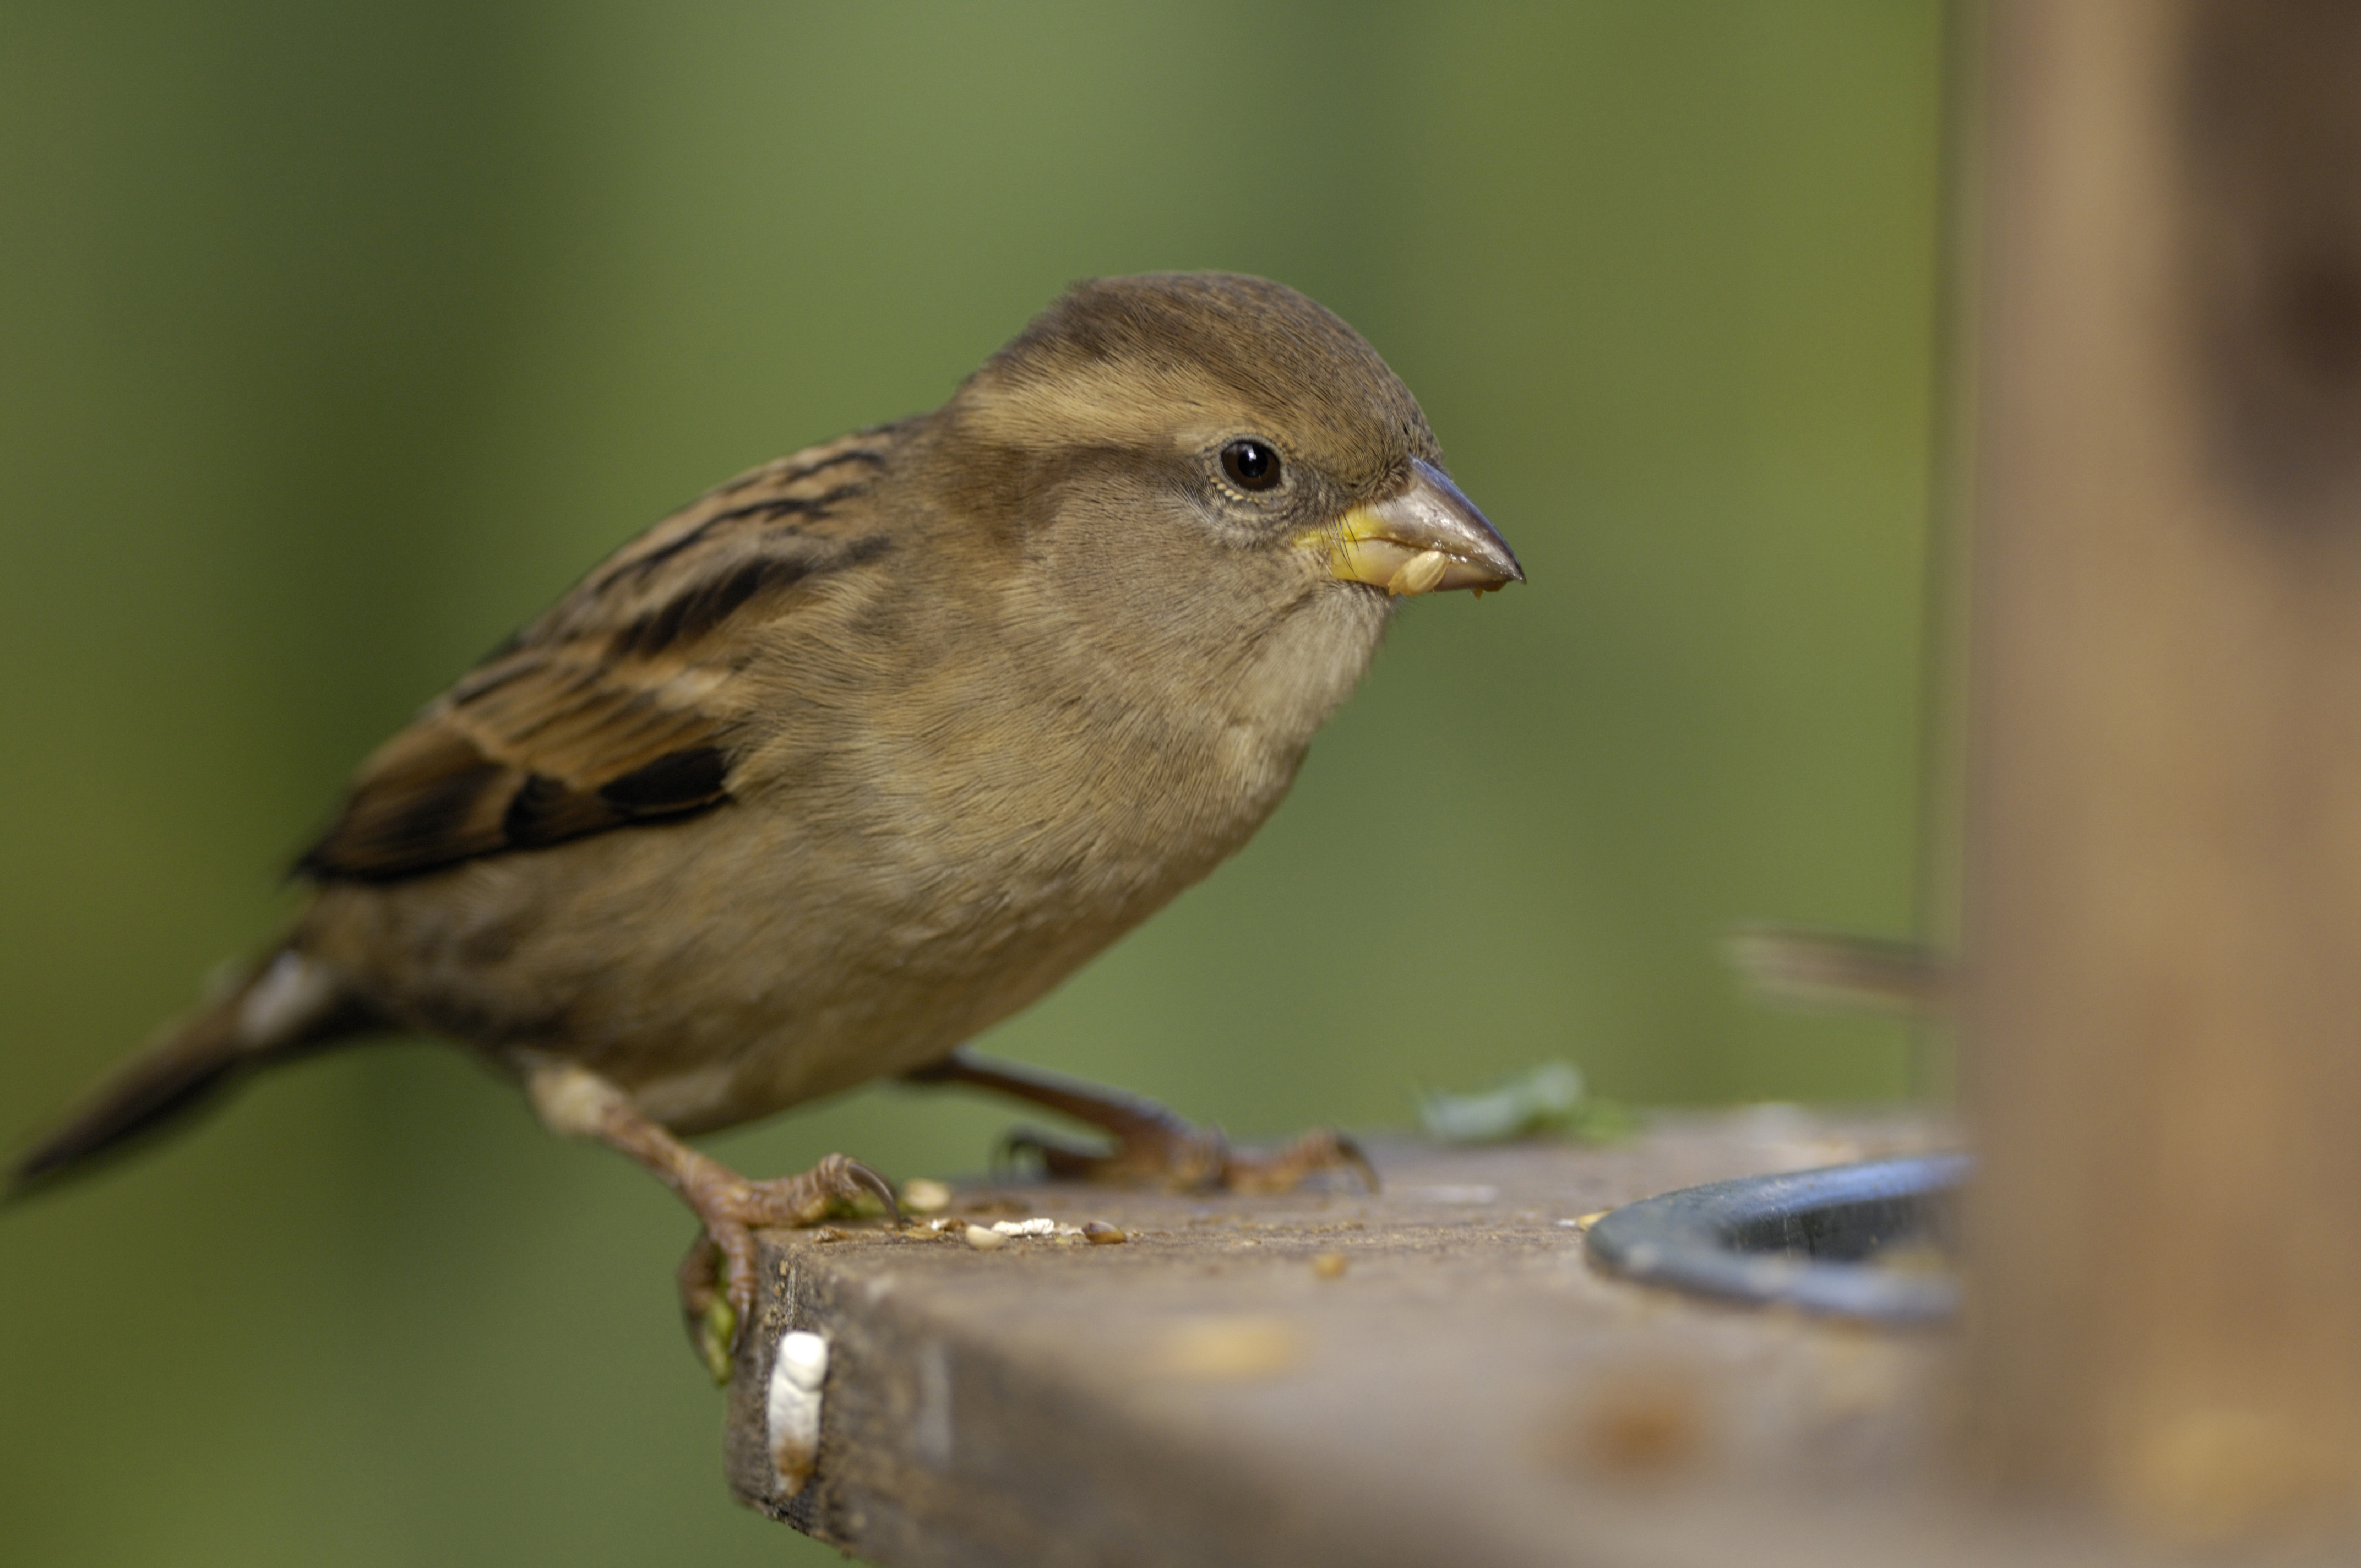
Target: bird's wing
617, 707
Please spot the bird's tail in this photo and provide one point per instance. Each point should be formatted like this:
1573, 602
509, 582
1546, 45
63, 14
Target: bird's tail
282, 1007
1808, 971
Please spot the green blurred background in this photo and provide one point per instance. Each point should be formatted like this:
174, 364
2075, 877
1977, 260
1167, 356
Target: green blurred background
335, 340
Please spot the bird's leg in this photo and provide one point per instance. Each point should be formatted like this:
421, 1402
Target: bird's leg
1152, 1146
716, 1278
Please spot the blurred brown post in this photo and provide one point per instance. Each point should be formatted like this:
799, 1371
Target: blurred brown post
2163, 1056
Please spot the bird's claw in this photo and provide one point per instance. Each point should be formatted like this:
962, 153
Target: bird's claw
1283, 1170
1188, 1158
717, 1275
876, 1186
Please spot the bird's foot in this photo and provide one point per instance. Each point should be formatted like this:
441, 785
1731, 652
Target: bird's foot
716, 1276
1184, 1156
1152, 1146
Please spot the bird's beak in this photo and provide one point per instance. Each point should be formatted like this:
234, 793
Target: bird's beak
1426, 540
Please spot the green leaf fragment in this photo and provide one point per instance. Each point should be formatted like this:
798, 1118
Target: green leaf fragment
1543, 1099
714, 1336
1598, 1121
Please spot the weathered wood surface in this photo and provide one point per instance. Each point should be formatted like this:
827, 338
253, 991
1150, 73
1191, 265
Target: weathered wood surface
1466, 1390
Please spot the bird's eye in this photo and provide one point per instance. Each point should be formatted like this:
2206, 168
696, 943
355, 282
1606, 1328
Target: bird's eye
1251, 464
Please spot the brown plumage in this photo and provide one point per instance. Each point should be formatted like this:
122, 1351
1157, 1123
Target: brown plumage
869, 748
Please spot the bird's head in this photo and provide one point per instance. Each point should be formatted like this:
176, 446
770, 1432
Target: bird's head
1208, 457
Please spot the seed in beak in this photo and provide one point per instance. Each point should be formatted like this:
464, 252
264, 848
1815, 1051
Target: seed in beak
1419, 573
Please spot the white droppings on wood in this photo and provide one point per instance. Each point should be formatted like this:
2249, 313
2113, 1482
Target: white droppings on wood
797, 1370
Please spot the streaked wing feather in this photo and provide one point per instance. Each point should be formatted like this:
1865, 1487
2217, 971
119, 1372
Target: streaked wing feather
613, 709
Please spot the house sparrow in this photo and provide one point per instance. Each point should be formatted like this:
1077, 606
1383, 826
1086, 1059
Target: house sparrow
867, 749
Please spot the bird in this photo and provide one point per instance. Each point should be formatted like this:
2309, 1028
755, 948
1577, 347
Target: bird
864, 750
